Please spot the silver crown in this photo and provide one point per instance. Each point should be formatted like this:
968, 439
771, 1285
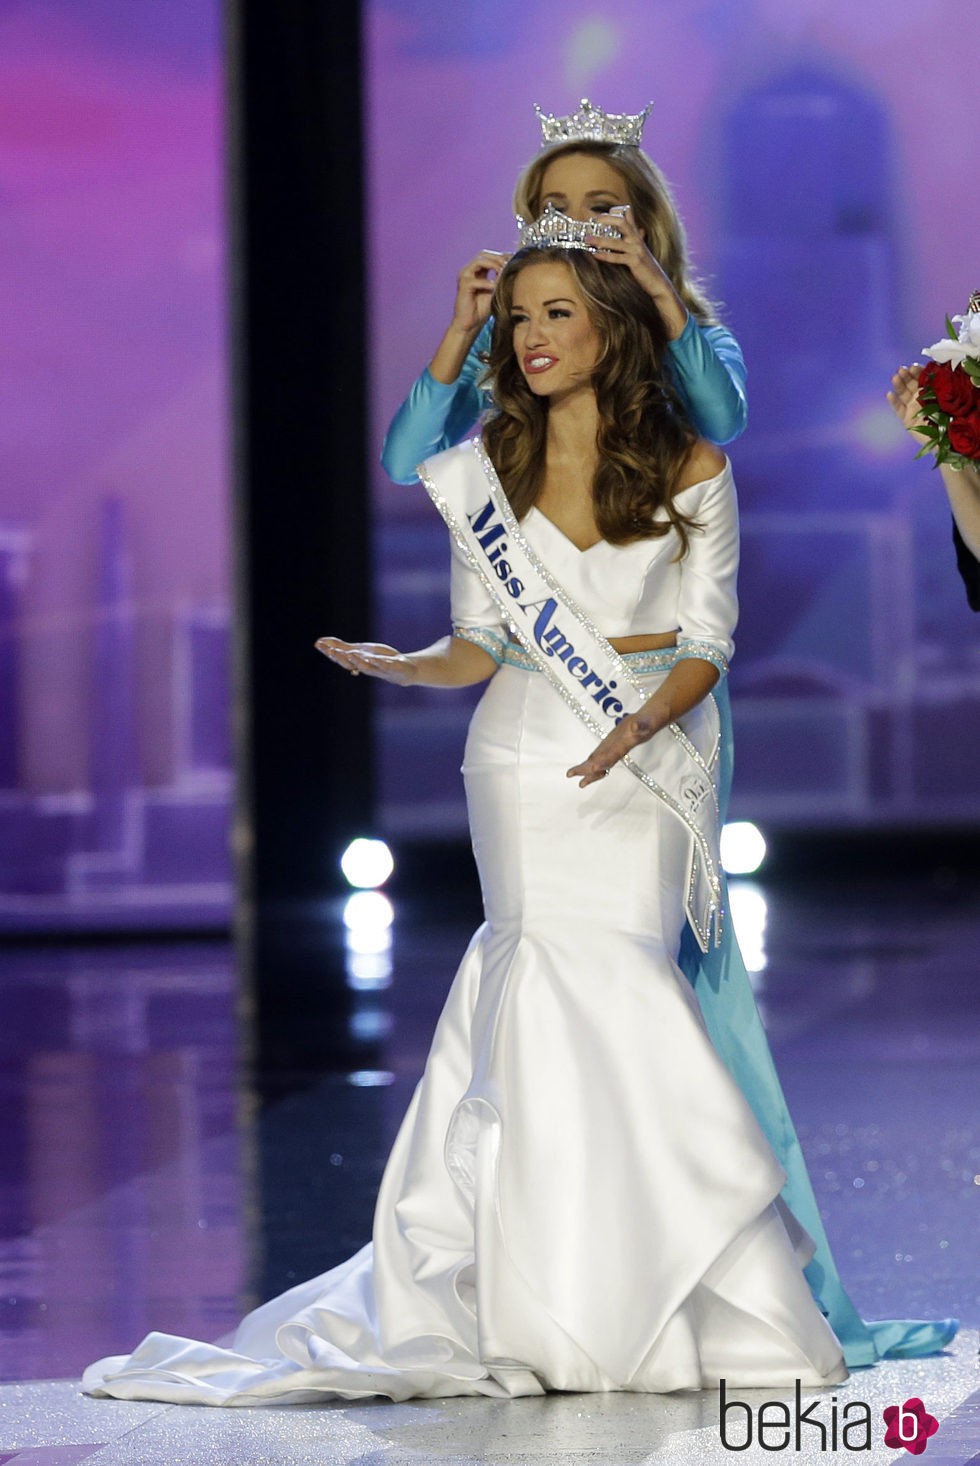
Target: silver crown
555, 230
592, 124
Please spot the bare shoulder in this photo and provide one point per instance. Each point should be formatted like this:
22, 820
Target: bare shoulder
705, 461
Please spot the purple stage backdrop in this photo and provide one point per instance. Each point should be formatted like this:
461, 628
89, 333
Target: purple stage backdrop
114, 758
823, 154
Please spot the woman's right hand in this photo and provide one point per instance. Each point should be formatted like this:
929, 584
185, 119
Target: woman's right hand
474, 290
471, 311
373, 658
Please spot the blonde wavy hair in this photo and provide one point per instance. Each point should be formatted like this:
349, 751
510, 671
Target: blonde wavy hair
644, 437
654, 211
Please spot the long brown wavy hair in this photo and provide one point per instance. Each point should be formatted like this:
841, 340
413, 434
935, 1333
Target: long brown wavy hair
644, 437
654, 211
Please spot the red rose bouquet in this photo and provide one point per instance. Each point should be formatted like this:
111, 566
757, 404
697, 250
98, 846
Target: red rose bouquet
949, 392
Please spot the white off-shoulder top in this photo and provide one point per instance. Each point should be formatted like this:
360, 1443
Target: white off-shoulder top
639, 589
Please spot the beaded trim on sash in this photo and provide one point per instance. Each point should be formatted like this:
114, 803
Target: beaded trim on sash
703, 651
488, 637
511, 654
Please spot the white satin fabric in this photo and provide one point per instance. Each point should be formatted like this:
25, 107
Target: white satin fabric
637, 588
579, 1197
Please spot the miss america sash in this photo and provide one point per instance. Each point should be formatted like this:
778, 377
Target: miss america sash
591, 677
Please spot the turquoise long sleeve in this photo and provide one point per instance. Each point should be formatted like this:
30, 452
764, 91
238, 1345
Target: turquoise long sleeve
435, 415
706, 363
709, 372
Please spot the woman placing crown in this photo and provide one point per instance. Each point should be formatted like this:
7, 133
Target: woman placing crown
591, 168
579, 1197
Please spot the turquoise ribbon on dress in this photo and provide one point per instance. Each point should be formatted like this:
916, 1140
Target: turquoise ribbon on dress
721, 984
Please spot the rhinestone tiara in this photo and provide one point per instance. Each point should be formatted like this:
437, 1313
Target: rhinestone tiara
555, 230
592, 124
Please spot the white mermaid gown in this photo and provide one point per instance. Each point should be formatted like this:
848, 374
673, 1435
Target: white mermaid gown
579, 1197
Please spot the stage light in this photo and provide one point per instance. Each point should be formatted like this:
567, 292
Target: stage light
743, 848
368, 911
368, 919
367, 864
368, 971
368, 1025
370, 1078
367, 941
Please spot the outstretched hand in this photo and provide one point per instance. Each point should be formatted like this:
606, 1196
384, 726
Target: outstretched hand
904, 398
373, 658
633, 730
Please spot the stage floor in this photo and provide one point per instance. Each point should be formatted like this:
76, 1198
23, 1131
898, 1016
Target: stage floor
147, 1186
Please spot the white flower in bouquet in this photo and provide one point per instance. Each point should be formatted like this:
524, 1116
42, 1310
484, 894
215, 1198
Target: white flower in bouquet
955, 348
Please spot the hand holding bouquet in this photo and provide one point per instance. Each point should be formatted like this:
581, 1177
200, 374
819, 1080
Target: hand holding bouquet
949, 393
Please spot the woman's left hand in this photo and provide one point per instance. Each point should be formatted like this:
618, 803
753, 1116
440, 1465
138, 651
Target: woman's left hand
634, 729
631, 250
904, 399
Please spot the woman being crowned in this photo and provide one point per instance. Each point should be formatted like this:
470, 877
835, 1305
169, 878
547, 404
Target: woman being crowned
580, 1196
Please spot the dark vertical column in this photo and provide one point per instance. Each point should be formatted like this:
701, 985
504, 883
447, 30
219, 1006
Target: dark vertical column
302, 511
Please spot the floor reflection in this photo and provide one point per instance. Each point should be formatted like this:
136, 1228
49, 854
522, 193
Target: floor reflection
122, 1196
143, 1185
